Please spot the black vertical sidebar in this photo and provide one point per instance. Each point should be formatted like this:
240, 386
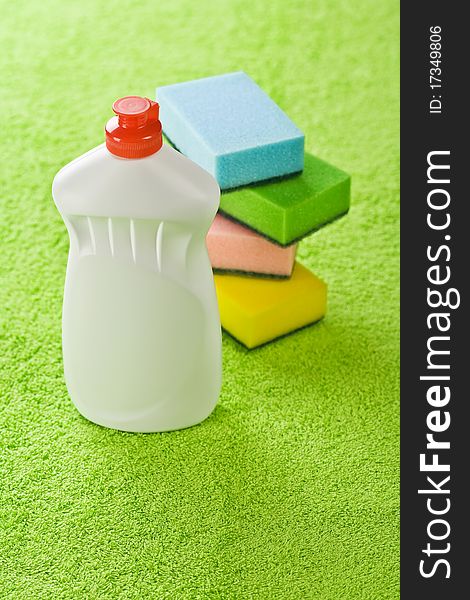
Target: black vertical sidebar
423, 132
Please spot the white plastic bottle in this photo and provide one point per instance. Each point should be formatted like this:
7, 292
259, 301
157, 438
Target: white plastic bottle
141, 329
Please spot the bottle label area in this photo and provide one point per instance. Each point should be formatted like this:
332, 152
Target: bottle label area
152, 327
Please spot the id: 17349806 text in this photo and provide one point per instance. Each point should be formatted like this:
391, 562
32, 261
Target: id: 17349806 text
435, 69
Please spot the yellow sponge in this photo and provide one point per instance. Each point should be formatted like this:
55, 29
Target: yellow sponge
256, 311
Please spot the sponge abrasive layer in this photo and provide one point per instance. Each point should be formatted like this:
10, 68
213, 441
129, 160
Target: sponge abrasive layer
256, 311
233, 247
288, 210
231, 128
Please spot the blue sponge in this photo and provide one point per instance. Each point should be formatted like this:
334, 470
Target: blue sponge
231, 128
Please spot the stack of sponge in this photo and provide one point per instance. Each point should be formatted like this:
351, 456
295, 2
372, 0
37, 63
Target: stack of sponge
273, 195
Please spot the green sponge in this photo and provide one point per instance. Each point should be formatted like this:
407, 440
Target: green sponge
289, 209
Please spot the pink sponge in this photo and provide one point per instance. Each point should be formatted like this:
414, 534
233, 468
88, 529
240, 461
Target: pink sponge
233, 247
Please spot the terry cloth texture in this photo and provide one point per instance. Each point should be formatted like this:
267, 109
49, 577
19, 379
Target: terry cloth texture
290, 488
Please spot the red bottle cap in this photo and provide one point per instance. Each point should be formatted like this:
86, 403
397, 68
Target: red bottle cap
136, 131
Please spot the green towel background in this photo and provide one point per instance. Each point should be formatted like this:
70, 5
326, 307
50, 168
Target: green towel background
291, 488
